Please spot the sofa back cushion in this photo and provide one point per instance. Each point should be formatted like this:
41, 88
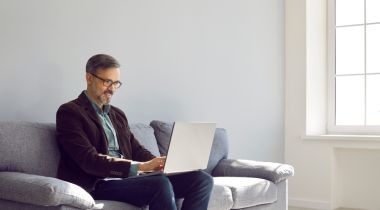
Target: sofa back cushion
219, 149
145, 135
29, 148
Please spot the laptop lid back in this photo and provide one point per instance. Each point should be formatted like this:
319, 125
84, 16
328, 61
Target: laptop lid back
190, 146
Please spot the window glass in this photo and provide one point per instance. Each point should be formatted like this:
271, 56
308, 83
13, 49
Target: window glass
350, 100
373, 11
349, 12
373, 48
350, 50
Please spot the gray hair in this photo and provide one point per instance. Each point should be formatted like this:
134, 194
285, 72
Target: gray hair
101, 61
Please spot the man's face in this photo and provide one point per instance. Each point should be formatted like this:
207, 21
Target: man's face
96, 87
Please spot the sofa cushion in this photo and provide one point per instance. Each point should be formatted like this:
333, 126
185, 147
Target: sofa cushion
221, 198
145, 135
219, 149
247, 191
29, 147
44, 191
13, 205
162, 131
275, 172
108, 204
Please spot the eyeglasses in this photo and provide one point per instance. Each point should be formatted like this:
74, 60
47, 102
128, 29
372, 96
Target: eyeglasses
108, 82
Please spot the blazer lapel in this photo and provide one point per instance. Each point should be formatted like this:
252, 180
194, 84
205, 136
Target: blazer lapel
86, 104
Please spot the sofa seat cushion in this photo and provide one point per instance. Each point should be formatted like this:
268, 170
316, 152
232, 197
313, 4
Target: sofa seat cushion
13, 205
221, 198
248, 191
43, 191
108, 204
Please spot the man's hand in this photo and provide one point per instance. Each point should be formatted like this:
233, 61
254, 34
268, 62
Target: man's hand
155, 164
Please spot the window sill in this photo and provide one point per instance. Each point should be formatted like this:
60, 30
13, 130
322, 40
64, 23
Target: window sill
342, 137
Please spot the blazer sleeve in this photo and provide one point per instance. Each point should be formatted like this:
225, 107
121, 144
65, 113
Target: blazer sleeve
75, 143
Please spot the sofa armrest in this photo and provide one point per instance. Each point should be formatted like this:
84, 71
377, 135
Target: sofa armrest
43, 191
275, 172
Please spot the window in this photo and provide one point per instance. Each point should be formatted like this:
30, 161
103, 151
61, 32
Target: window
354, 66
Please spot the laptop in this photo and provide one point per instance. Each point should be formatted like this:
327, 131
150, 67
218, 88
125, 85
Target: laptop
189, 148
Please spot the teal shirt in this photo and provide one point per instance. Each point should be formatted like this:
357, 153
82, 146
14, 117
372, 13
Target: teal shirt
109, 130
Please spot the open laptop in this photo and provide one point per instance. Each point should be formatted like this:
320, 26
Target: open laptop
189, 148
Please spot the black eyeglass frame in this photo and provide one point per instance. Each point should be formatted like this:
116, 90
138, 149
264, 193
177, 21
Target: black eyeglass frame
108, 82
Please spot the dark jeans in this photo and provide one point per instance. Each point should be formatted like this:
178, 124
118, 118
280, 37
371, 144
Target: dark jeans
159, 192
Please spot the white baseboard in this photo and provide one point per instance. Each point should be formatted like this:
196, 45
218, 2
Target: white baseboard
309, 204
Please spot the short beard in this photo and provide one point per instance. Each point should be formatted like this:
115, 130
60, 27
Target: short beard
104, 100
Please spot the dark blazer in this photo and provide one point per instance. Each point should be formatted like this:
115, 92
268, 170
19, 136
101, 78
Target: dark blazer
83, 144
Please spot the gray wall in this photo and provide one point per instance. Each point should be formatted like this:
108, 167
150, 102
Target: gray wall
195, 60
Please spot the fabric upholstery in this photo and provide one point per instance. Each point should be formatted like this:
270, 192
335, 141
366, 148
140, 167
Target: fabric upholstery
145, 135
280, 204
116, 205
28, 147
13, 205
44, 191
107, 204
221, 198
219, 149
275, 172
269, 206
244, 189
162, 131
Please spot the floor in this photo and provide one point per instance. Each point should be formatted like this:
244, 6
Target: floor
296, 208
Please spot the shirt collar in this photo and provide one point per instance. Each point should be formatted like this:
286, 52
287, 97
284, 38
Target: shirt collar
106, 107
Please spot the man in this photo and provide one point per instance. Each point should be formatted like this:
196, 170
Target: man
97, 145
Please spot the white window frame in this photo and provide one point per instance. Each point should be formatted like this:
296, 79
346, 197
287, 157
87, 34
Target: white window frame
332, 128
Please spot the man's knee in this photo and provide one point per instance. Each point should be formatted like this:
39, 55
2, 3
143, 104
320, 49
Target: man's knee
204, 178
164, 190
163, 183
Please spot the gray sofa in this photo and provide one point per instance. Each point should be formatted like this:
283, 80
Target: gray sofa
29, 159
